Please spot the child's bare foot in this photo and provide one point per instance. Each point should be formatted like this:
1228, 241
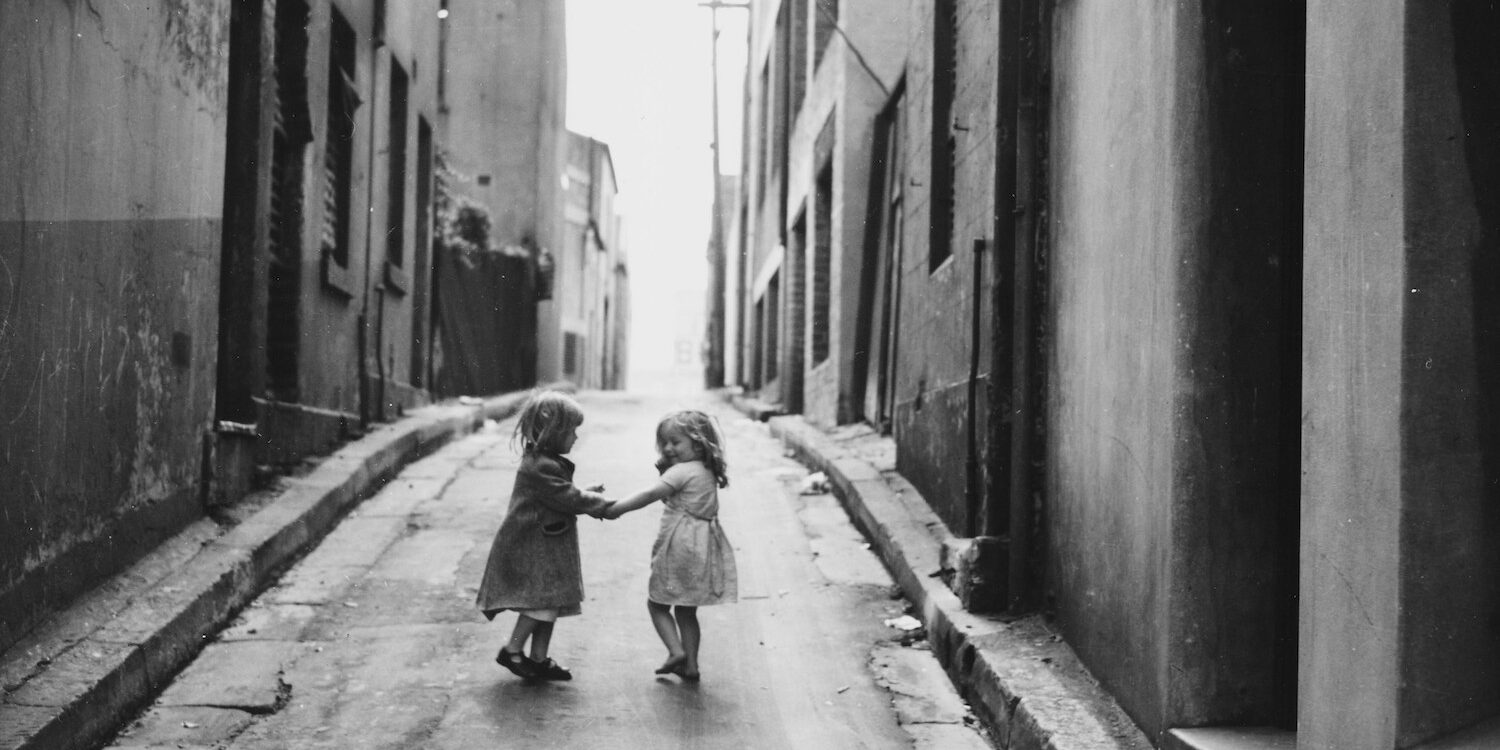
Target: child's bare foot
672, 665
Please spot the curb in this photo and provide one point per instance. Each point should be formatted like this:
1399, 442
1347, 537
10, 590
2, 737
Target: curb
74, 680
1017, 674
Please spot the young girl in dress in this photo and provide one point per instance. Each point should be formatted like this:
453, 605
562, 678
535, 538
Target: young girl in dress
534, 565
692, 563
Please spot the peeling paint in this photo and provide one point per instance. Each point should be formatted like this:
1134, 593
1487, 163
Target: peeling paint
197, 35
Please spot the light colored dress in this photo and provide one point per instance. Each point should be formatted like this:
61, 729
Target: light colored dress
692, 562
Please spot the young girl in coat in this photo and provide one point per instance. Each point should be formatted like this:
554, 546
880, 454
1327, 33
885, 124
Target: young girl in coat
534, 565
692, 562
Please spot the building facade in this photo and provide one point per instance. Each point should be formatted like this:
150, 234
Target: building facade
1176, 311
221, 250
595, 317
504, 98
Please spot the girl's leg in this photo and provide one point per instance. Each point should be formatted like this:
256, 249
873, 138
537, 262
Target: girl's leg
666, 629
525, 627
511, 655
541, 639
687, 625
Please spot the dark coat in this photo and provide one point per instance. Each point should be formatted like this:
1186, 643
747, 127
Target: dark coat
534, 561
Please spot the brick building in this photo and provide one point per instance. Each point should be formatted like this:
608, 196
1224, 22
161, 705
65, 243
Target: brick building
1177, 313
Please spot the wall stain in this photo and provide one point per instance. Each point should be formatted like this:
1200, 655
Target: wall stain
197, 37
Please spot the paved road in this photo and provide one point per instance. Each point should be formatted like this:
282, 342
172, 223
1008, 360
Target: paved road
372, 641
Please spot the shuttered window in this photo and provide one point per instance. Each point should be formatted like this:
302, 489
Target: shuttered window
338, 151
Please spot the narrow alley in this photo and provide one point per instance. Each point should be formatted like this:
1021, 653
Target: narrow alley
372, 640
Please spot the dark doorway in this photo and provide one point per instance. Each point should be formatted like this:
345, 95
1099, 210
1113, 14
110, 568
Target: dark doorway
874, 357
1251, 291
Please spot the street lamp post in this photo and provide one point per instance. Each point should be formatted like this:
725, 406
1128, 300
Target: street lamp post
713, 369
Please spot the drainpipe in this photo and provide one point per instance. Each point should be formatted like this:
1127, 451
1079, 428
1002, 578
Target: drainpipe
742, 299
973, 485
377, 40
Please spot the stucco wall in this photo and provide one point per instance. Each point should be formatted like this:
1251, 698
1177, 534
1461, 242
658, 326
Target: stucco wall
1117, 239
1173, 404
113, 147
328, 357
1399, 512
507, 75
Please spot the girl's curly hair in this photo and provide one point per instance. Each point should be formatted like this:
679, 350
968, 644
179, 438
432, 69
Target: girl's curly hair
545, 420
704, 433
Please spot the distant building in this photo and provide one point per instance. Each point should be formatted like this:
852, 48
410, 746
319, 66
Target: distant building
505, 150
590, 301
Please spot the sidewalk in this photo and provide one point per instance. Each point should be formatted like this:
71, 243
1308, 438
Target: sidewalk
1017, 674
83, 672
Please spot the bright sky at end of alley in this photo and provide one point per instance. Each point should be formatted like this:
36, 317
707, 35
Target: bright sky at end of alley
639, 79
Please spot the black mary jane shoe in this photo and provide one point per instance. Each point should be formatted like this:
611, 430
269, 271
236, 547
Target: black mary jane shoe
517, 663
548, 669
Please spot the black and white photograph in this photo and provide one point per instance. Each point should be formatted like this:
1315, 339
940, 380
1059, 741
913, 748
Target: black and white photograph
749, 374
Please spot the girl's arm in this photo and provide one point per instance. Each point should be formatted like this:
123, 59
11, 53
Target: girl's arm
554, 491
658, 491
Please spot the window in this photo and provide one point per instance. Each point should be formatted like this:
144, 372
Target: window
422, 258
822, 265
291, 132
395, 216
779, 99
763, 137
338, 153
772, 328
944, 149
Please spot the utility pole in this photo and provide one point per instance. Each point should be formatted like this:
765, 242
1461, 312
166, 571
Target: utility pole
713, 366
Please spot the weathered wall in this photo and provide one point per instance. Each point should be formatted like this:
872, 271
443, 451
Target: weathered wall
1118, 237
1399, 445
113, 147
844, 90
411, 41
938, 305
1173, 404
329, 349
507, 75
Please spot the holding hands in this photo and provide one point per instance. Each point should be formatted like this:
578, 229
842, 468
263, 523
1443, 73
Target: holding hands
616, 508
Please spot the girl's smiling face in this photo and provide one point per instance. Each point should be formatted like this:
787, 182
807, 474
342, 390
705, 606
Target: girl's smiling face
676, 447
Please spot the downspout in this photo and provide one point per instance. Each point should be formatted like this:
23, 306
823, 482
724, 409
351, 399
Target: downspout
743, 237
742, 300
376, 42
973, 485
1004, 262
790, 383
784, 130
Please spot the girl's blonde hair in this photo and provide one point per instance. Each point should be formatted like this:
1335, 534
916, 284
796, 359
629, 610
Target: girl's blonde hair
704, 433
546, 419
